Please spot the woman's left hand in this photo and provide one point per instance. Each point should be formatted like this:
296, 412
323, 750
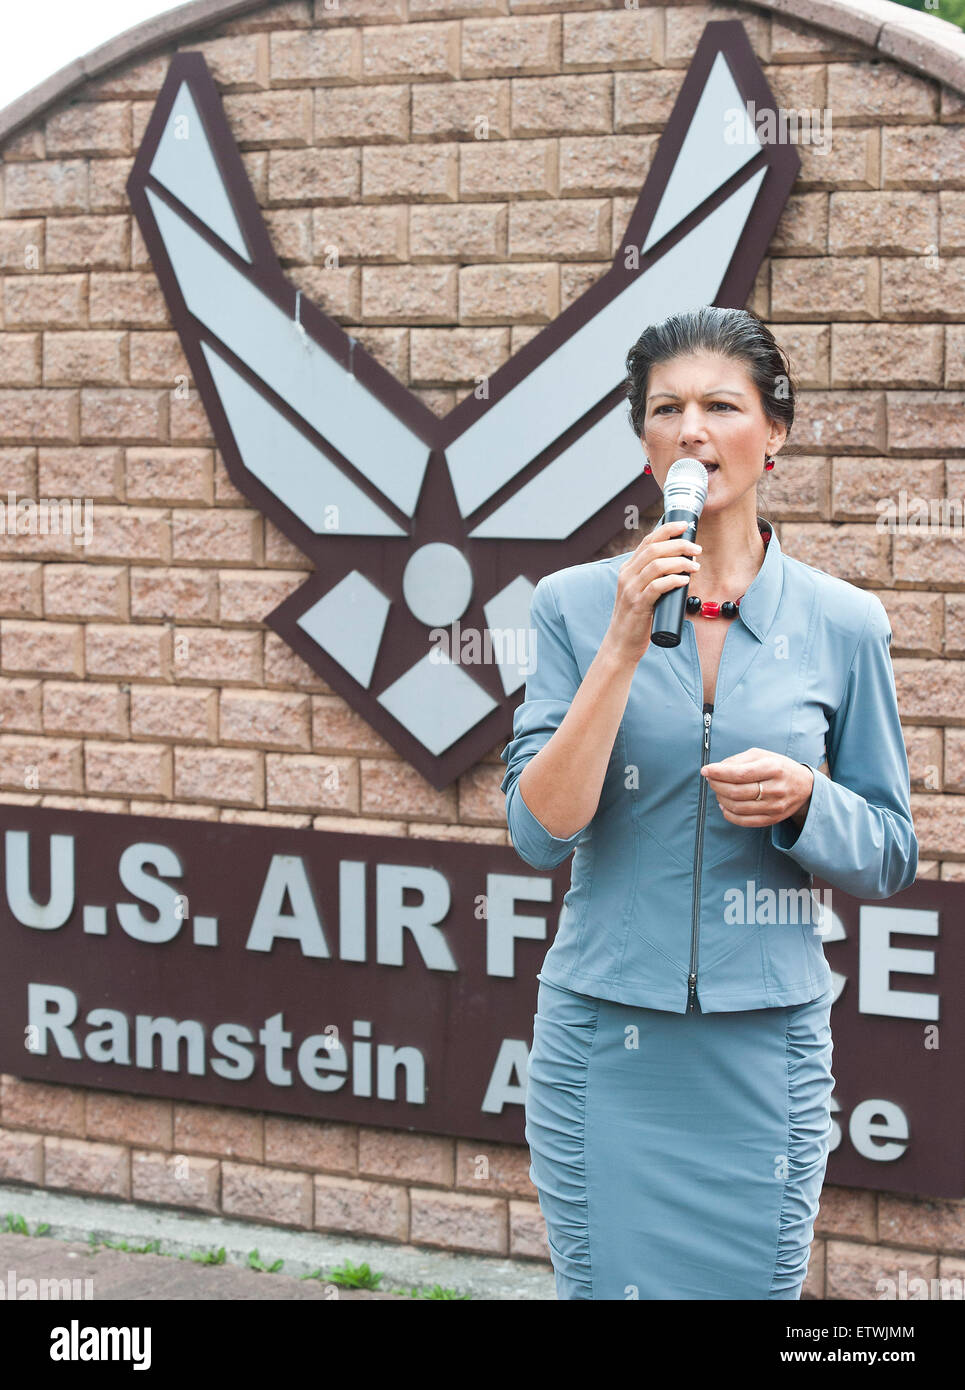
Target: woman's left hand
786, 787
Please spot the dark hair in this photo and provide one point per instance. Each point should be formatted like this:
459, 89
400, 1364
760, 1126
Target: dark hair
731, 333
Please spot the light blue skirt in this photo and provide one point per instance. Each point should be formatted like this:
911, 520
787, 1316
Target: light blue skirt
678, 1156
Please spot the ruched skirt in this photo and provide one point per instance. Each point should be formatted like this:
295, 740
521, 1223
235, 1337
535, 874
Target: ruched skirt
678, 1156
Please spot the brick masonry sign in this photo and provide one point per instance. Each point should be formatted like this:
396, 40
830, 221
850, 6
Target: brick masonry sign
425, 530
392, 982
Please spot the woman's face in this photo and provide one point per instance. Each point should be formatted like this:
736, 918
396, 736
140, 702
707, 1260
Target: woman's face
708, 407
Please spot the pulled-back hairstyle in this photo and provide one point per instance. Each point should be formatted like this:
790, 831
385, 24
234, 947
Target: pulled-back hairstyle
734, 333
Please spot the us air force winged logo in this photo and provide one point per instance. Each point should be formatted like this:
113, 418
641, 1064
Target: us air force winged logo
417, 524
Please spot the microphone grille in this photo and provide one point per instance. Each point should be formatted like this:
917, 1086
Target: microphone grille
685, 478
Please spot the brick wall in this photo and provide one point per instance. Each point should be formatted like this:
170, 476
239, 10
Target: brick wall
475, 174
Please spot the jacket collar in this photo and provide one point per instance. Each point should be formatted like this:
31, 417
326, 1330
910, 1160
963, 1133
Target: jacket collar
759, 604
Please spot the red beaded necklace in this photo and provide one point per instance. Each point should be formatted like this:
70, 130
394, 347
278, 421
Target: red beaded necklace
727, 609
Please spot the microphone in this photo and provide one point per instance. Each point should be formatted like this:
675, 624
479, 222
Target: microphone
684, 495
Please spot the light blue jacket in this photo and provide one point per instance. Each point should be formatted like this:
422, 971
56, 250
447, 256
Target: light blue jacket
665, 907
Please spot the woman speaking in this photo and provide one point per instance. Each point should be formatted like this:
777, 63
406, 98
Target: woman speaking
679, 1083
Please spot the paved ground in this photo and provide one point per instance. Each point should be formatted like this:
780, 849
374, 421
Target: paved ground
72, 1219
119, 1274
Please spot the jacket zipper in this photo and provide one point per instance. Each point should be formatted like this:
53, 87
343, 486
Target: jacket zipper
698, 845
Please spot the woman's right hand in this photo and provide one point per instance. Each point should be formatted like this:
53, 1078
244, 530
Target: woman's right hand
652, 569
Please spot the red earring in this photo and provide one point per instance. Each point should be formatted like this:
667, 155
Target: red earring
768, 461
647, 468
